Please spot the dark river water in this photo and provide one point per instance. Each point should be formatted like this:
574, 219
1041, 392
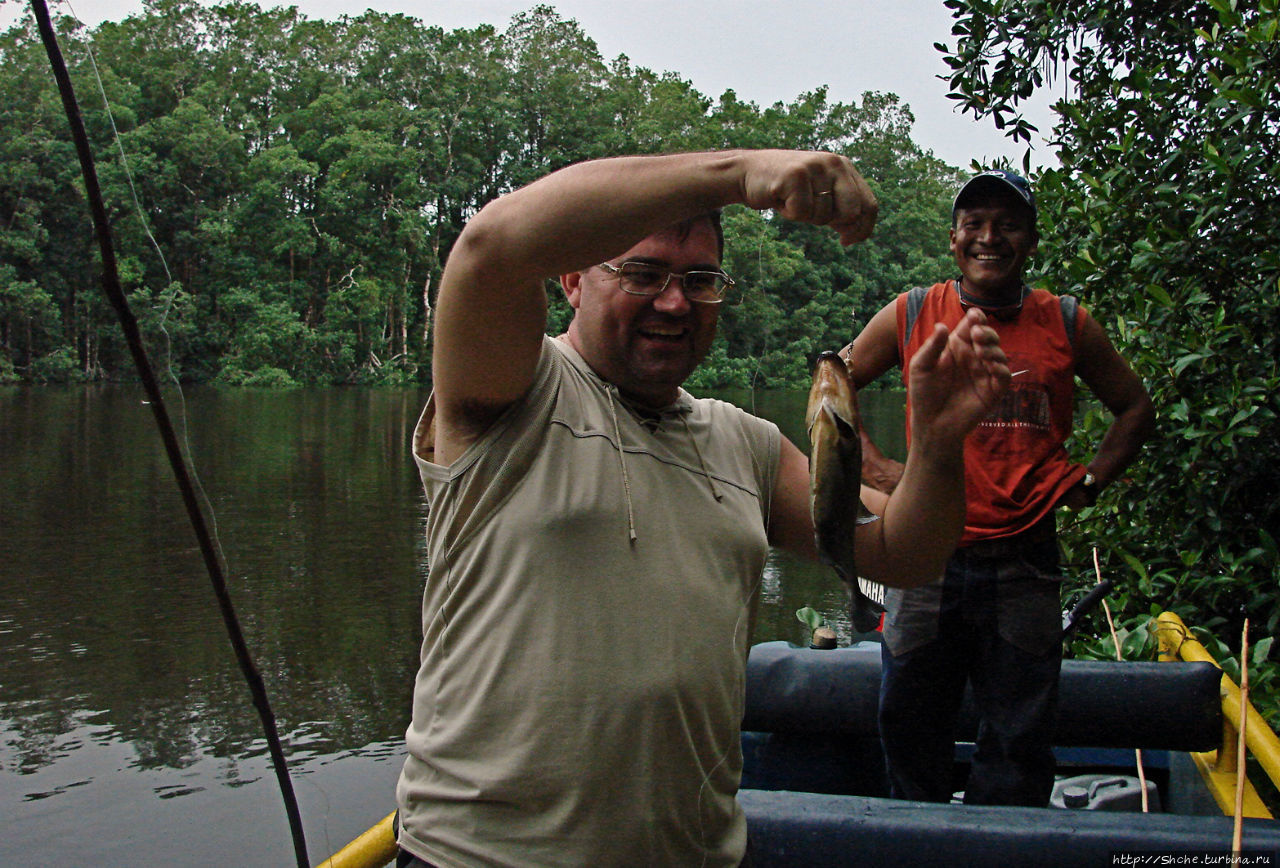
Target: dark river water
127, 735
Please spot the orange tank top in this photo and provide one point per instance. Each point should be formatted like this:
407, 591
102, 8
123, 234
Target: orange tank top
1016, 466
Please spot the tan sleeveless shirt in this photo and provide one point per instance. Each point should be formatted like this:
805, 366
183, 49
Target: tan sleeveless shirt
580, 691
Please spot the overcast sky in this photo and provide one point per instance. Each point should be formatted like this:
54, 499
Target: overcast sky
765, 51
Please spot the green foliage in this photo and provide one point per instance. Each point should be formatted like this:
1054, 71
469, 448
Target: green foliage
58, 366
1264, 680
810, 617
813, 621
1161, 218
304, 181
264, 377
1135, 634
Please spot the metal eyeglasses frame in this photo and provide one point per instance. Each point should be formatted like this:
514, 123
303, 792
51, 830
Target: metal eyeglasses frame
618, 271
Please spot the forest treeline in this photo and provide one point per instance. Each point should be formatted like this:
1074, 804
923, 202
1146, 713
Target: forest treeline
292, 188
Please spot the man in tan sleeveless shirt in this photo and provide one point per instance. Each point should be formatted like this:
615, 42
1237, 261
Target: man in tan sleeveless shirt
597, 536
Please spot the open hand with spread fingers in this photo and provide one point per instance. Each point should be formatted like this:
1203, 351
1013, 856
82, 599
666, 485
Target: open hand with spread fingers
956, 379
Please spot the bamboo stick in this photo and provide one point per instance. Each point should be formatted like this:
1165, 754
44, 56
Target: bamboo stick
1115, 639
1241, 747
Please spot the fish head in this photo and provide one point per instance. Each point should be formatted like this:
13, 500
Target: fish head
833, 398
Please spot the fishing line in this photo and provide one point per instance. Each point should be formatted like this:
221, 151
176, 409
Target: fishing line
129, 325
124, 159
755, 374
170, 292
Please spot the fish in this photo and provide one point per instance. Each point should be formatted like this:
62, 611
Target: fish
835, 478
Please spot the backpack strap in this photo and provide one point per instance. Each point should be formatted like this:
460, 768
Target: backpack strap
915, 301
1069, 304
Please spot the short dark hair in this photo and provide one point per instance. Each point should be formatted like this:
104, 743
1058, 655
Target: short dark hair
684, 227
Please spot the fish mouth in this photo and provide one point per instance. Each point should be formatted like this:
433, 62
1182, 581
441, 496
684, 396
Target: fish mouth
844, 428
828, 395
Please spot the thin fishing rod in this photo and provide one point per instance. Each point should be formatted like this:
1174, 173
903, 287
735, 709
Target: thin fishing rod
114, 293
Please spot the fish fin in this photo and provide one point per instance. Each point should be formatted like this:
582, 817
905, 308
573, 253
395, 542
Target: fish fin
865, 516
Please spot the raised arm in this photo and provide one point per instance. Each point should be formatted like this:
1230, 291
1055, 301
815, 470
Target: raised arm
874, 351
491, 310
955, 379
1120, 390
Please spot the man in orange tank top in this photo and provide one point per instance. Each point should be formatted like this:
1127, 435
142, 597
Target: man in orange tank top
993, 619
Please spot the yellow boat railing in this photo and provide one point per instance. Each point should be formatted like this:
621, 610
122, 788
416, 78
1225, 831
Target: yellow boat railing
374, 848
1219, 768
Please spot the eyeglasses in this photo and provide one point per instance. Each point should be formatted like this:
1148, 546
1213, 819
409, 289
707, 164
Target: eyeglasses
641, 278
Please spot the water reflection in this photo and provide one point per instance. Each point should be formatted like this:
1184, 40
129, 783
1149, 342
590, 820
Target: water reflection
122, 713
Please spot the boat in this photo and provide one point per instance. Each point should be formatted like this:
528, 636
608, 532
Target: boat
813, 785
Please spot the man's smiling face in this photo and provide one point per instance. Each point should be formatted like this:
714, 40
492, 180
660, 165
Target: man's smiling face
991, 240
647, 346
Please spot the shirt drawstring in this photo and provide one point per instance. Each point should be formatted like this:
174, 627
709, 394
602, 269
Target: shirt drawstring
622, 462
682, 411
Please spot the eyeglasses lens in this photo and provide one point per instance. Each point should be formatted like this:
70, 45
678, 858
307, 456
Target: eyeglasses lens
640, 279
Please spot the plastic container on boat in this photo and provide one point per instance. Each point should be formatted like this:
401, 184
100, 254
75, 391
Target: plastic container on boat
1103, 793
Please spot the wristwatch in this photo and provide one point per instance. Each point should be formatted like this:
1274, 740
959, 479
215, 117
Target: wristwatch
1090, 486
